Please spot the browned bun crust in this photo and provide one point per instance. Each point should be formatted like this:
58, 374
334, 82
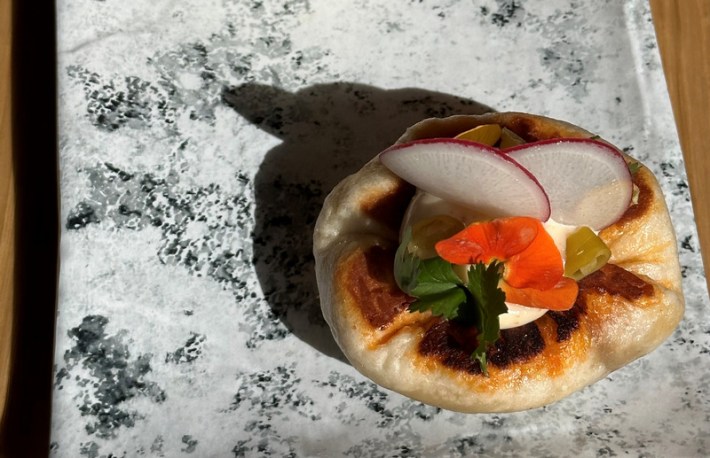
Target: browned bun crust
623, 311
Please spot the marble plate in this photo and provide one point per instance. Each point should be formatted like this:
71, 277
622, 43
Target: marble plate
198, 139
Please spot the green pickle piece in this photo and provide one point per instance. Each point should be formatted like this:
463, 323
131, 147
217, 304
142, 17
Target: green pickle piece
586, 253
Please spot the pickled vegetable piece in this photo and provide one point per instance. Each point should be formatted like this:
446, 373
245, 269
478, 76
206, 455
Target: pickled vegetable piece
586, 253
428, 231
508, 139
488, 134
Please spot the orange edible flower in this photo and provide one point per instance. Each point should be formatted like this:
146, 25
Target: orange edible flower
559, 297
533, 267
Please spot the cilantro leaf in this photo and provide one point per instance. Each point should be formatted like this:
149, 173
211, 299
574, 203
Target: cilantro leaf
435, 276
490, 302
444, 304
432, 281
418, 277
439, 290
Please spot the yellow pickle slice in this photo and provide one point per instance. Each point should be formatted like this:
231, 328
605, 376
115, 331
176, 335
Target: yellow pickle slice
488, 134
585, 253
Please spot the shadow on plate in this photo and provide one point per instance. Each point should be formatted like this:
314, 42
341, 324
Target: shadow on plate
328, 132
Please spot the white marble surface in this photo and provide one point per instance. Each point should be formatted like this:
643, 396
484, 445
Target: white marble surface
198, 139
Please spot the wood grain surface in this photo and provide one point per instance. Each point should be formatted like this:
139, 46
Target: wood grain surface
683, 30
7, 204
683, 33
29, 232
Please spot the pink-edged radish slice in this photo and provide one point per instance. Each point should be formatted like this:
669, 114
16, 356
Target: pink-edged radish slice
471, 174
587, 181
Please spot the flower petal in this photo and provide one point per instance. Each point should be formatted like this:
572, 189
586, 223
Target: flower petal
483, 242
560, 297
538, 266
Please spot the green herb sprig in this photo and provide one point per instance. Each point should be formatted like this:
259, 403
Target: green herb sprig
437, 288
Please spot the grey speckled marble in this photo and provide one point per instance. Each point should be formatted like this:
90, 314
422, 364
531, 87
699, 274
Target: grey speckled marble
198, 140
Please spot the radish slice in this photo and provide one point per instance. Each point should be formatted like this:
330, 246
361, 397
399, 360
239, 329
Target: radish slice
588, 182
471, 174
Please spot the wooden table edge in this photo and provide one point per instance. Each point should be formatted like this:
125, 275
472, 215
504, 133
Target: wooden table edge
683, 35
7, 205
